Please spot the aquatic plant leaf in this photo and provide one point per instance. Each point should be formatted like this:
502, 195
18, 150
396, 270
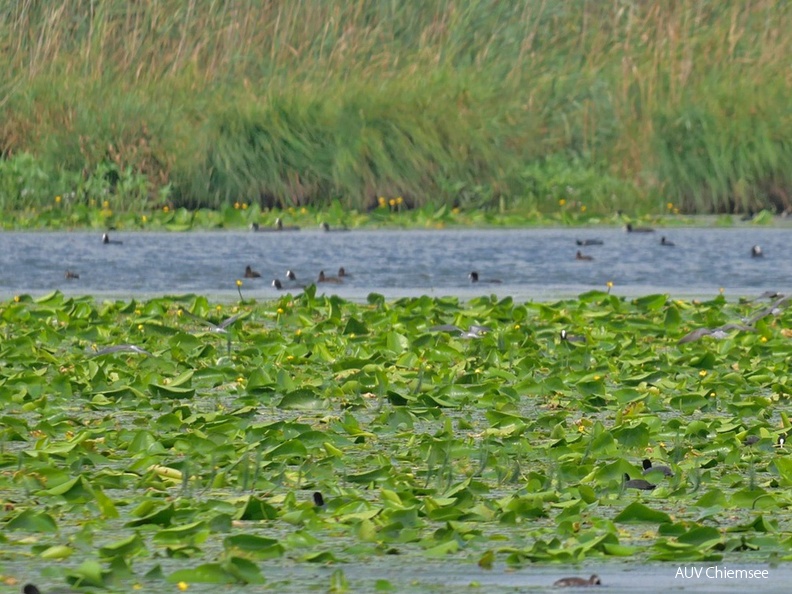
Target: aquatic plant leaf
168, 391
160, 517
302, 400
637, 512
253, 546
759, 524
29, 520
90, 574
207, 573
256, 509
783, 466
126, 547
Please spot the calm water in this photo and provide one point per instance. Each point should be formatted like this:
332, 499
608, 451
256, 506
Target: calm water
532, 263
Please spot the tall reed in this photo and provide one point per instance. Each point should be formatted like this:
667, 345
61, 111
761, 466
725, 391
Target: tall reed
294, 102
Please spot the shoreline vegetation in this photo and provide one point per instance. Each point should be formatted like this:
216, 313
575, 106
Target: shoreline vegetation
509, 107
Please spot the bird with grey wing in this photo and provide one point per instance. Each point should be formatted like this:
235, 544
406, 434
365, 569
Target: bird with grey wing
118, 348
221, 328
748, 324
473, 331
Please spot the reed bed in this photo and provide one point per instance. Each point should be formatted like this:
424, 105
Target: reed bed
477, 104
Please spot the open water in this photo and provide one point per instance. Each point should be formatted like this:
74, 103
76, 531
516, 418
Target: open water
530, 263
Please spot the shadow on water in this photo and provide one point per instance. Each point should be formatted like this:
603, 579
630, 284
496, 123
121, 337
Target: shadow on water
531, 263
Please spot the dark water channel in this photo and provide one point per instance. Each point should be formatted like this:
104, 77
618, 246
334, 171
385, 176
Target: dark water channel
531, 263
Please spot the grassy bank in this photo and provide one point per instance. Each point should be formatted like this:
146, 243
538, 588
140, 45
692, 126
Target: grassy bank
510, 106
142, 449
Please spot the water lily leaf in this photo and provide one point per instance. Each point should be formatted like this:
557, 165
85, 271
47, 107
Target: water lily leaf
29, 520
703, 537
712, 498
355, 326
619, 550
193, 533
126, 547
207, 573
759, 524
244, 570
57, 552
396, 343
753, 499
320, 557
89, 573
256, 509
77, 489
161, 517
372, 476
163, 391
783, 466
443, 549
293, 448
651, 302
302, 400
637, 512
254, 547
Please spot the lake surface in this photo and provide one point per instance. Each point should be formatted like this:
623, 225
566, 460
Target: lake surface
531, 263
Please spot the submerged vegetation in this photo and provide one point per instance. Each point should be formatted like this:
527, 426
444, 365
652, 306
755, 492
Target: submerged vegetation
140, 445
509, 106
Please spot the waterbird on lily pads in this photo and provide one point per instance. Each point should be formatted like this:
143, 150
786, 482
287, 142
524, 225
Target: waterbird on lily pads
649, 468
30, 589
473, 331
118, 348
567, 337
639, 484
576, 582
318, 499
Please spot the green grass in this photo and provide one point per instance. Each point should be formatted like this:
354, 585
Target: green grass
509, 106
187, 461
